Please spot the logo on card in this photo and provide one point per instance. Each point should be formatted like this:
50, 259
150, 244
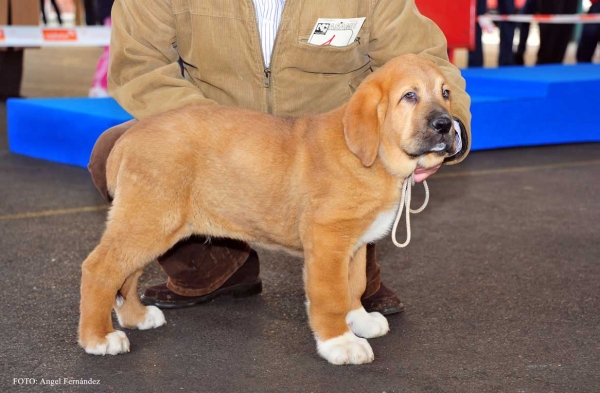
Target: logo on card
2, 36
335, 32
321, 28
60, 35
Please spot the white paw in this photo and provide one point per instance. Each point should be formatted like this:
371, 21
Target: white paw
154, 318
367, 325
114, 343
346, 349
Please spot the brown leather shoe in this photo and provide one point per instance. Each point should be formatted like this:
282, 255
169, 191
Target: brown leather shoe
243, 283
384, 301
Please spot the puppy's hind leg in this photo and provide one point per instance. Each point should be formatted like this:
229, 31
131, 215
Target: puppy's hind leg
131, 313
361, 322
129, 243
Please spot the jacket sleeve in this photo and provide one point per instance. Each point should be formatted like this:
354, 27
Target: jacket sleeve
144, 73
398, 28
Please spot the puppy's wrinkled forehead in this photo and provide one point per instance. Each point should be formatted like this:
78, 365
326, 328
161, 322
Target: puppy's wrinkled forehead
423, 75
414, 69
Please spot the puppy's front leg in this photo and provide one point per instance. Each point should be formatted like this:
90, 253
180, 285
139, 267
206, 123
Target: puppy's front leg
362, 323
329, 301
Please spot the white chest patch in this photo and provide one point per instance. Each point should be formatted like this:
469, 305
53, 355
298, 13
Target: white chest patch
380, 227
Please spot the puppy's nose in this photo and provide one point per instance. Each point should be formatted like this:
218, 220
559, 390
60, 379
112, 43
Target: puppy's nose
442, 124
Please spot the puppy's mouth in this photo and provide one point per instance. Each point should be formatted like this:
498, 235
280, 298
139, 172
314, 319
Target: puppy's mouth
440, 147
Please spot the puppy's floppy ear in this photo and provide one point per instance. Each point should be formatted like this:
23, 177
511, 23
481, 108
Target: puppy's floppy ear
362, 122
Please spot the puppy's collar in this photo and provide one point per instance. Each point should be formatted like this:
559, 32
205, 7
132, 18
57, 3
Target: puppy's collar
405, 201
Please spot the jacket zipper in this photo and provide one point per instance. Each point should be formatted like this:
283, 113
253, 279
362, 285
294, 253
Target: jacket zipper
273, 57
267, 81
267, 72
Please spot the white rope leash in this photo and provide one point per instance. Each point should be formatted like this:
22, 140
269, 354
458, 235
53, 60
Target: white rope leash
405, 201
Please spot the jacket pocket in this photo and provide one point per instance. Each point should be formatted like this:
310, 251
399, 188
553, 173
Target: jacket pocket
328, 59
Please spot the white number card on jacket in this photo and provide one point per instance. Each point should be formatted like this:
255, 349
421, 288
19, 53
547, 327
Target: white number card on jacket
335, 32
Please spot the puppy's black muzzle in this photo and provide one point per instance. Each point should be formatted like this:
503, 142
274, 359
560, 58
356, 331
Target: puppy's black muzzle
436, 136
441, 124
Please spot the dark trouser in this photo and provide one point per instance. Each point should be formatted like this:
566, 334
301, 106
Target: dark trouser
56, 9
530, 7
11, 72
476, 55
590, 37
554, 38
507, 31
11, 68
196, 267
90, 12
103, 9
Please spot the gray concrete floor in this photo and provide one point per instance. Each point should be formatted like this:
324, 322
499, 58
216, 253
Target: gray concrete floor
501, 287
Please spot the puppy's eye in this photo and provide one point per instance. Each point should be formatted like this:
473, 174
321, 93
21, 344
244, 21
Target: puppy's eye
446, 93
410, 96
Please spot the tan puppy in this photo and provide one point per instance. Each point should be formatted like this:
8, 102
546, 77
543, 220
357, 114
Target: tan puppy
322, 186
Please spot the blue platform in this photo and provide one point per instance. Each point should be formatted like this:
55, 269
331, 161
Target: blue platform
60, 129
525, 106
511, 106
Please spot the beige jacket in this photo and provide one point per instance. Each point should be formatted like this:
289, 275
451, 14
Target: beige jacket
221, 59
22, 13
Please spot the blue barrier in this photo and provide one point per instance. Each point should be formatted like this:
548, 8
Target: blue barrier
526, 106
511, 106
60, 129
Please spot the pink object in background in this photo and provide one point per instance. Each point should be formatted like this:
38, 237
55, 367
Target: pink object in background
492, 4
100, 84
66, 5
